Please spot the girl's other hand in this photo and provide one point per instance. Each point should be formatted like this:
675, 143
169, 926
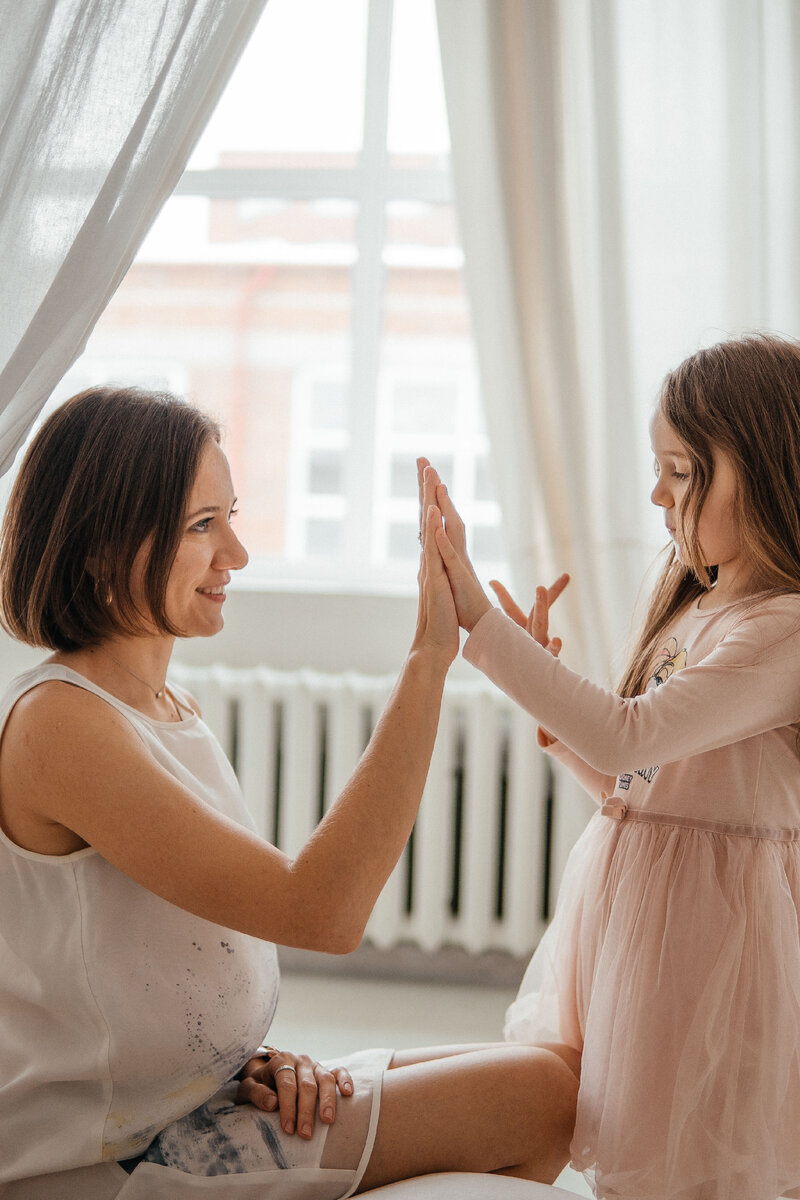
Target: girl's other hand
537, 624
437, 623
297, 1086
537, 621
470, 599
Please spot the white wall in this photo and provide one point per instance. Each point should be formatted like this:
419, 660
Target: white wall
287, 630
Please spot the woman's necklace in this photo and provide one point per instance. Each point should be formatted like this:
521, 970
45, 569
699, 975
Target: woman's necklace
157, 692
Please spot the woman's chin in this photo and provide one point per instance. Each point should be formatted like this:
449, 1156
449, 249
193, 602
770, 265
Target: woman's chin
205, 628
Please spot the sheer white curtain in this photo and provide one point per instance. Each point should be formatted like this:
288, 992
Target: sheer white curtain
101, 103
628, 181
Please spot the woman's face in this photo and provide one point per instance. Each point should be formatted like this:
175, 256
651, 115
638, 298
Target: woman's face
208, 551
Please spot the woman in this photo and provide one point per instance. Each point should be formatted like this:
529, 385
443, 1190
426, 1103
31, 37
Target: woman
138, 908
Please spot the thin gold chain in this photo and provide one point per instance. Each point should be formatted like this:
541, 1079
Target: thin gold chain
158, 693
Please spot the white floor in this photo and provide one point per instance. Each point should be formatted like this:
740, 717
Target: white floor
326, 1016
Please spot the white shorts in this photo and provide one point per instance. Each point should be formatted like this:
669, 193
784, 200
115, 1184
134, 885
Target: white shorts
225, 1149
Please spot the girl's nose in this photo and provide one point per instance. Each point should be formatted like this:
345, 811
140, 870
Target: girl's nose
660, 495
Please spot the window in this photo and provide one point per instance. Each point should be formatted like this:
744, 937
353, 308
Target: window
304, 285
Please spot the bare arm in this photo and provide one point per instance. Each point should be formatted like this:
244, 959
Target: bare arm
72, 760
749, 684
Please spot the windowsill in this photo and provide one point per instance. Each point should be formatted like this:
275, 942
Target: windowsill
289, 577
287, 581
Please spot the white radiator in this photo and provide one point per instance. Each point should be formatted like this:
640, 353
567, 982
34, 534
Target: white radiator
477, 872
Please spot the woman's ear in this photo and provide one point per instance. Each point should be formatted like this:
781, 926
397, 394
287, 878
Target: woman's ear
93, 568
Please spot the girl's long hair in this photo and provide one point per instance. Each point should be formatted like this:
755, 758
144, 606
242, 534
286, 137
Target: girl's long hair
741, 397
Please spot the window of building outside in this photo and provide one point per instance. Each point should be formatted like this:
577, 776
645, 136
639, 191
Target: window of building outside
304, 285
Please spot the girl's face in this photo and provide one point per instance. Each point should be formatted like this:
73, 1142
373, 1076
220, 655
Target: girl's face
717, 529
208, 551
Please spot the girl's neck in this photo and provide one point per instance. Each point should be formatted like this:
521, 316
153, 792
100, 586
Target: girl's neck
730, 587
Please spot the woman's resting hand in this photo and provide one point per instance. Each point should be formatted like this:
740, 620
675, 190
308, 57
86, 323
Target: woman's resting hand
297, 1086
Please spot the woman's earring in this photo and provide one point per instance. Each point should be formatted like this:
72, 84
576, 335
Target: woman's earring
102, 589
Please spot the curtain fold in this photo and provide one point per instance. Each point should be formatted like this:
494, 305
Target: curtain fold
536, 181
101, 104
627, 177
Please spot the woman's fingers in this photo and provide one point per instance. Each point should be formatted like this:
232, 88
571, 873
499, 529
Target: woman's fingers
300, 1087
437, 622
328, 1081
308, 1093
254, 1091
299, 1092
285, 1082
344, 1080
427, 480
422, 463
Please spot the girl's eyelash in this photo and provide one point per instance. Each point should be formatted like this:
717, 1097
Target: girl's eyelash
681, 476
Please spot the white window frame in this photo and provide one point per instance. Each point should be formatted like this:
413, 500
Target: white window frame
372, 184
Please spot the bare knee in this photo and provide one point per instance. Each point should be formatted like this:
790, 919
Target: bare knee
561, 1080
557, 1081
568, 1054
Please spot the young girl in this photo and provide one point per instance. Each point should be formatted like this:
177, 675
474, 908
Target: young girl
138, 906
673, 963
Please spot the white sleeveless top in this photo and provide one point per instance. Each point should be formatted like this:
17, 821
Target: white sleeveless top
118, 1011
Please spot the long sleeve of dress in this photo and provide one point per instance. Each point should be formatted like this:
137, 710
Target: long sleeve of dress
596, 783
748, 684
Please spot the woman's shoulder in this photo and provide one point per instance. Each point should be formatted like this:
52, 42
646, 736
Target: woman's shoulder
44, 699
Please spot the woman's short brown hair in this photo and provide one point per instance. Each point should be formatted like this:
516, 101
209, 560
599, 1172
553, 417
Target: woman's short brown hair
108, 470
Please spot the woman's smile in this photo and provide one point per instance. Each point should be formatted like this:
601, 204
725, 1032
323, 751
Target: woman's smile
215, 594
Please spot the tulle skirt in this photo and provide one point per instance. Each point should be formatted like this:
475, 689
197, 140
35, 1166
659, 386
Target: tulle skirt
673, 964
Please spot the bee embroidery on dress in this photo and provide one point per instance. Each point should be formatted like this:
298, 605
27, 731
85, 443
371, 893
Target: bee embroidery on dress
669, 660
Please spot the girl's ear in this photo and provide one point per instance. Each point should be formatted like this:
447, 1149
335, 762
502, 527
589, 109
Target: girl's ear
92, 567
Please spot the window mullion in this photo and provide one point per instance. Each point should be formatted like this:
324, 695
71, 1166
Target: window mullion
368, 283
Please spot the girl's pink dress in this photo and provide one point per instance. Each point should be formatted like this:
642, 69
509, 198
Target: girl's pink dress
673, 961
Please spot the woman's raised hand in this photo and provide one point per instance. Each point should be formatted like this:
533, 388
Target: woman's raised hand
297, 1086
437, 623
470, 599
537, 624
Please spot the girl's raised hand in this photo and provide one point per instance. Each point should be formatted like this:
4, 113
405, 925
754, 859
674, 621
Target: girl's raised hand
437, 623
538, 619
